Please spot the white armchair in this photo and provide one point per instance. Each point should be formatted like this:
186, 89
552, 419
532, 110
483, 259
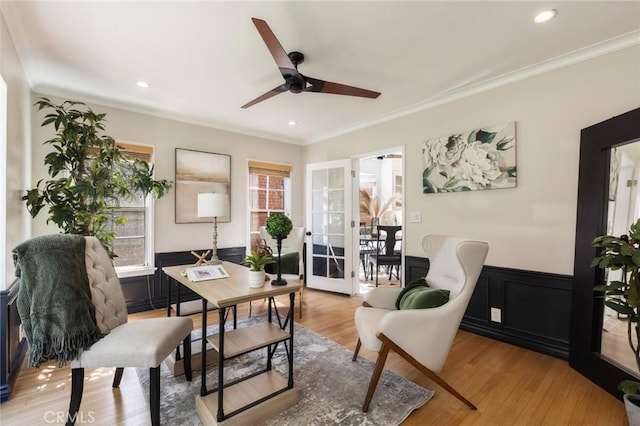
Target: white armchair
422, 336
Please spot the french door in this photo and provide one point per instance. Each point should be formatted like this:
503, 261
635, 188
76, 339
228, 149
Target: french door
329, 232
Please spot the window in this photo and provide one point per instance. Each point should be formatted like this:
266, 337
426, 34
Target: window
134, 240
269, 191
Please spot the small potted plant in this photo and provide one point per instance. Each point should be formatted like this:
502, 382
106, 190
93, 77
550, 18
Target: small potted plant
278, 226
623, 296
257, 261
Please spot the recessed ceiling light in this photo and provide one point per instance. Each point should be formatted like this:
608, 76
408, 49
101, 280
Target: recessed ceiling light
545, 16
143, 84
293, 123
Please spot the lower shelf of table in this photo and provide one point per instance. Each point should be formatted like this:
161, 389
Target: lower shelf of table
244, 393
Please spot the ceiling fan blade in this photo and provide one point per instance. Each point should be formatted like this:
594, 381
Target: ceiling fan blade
338, 89
274, 46
271, 93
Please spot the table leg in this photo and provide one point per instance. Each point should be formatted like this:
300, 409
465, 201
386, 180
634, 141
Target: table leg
203, 352
220, 415
292, 297
168, 295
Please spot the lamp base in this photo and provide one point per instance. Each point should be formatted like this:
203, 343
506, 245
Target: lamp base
279, 281
214, 262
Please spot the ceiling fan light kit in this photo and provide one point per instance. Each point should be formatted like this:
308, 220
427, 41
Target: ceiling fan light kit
294, 81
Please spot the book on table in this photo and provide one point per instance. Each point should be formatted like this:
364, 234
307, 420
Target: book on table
206, 272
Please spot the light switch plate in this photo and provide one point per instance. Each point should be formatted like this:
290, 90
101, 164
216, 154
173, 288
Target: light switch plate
415, 217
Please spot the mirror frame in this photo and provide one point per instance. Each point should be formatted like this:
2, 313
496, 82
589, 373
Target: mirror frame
593, 188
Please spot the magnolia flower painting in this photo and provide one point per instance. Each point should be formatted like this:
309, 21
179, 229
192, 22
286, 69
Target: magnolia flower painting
477, 159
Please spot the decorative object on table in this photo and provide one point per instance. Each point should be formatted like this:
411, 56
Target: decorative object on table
257, 260
206, 272
198, 172
87, 165
622, 254
375, 207
483, 158
211, 204
320, 364
278, 225
202, 258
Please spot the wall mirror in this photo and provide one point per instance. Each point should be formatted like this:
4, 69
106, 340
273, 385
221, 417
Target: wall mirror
609, 161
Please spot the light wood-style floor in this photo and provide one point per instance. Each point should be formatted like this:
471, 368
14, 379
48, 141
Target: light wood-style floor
509, 385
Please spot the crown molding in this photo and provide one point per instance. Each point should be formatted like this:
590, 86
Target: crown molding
590, 52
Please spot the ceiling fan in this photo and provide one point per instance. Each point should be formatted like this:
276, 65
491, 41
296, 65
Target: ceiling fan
294, 81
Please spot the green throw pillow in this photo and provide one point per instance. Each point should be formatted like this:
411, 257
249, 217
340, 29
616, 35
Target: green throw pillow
418, 295
290, 264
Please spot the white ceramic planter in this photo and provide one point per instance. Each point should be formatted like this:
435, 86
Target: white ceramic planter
632, 404
256, 279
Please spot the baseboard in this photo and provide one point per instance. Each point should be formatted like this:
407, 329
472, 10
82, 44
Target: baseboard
535, 307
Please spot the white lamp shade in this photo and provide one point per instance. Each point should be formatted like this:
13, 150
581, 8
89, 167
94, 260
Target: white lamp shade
212, 204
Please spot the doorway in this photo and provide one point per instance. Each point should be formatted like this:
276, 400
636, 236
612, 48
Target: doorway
379, 189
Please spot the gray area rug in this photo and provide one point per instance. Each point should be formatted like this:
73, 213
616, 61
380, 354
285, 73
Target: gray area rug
331, 387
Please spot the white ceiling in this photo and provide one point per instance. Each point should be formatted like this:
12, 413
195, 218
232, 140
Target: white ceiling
205, 59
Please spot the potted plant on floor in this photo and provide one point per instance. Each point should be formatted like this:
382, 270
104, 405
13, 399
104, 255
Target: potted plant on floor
259, 258
89, 174
278, 226
623, 296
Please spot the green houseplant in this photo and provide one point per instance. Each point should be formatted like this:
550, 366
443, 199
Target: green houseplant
623, 295
260, 257
89, 174
278, 225
258, 260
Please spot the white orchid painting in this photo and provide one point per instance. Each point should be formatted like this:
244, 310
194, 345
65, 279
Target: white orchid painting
478, 159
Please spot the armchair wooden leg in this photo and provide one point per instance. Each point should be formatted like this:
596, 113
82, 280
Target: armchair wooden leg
186, 343
424, 370
77, 386
117, 377
355, 353
377, 371
154, 395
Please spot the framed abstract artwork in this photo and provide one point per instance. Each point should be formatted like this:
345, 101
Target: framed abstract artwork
198, 172
477, 159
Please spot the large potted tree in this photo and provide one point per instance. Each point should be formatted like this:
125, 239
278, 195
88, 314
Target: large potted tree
623, 296
89, 174
279, 226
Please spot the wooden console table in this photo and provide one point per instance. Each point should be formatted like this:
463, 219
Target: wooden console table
259, 396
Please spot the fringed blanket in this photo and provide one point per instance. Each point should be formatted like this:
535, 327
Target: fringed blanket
54, 301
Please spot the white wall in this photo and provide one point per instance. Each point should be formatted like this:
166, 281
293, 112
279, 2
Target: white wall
17, 153
531, 227
166, 135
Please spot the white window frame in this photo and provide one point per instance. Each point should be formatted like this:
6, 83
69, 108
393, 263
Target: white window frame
149, 254
286, 197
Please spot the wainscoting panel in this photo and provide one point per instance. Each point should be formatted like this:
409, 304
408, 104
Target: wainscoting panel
535, 307
12, 348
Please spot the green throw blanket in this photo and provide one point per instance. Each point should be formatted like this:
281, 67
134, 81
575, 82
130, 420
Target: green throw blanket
54, 301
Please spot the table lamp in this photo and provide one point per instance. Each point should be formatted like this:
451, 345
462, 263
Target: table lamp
211, 204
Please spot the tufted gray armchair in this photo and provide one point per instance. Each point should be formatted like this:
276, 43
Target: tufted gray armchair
143, 343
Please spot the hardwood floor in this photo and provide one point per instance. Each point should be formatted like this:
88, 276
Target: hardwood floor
509, 385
